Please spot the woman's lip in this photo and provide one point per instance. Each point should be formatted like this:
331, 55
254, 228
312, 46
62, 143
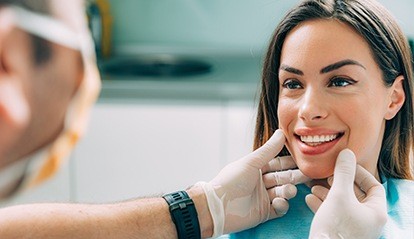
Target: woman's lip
317, 149
315, 131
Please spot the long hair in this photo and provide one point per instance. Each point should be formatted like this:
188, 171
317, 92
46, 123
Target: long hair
391, 52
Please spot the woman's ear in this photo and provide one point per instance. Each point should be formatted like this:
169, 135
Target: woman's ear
396, 97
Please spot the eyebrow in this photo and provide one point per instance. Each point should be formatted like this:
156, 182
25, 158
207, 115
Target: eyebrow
291, 69
340, 64
326, 69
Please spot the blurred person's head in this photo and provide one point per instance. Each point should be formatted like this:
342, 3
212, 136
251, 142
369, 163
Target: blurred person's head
337, 75
41, 78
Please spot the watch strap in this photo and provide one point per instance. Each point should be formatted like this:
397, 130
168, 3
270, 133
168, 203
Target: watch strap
183, 214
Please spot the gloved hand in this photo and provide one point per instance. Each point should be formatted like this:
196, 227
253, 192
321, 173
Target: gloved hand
238, 198
339, 213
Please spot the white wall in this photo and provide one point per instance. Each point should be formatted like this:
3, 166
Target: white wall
236, 24
230, 23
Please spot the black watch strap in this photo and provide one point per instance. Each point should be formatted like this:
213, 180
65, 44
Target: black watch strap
183, 214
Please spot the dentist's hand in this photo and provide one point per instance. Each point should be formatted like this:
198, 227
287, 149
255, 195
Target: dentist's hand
339, 213
238, 198
279, 177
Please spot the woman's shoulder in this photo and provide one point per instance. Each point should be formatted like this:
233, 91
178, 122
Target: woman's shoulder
399, 187
400, 184
400, 193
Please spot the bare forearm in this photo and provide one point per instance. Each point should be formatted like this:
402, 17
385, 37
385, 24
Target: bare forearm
141, 218
136, 219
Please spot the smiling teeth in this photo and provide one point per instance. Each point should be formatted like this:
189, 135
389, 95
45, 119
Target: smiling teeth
318, 138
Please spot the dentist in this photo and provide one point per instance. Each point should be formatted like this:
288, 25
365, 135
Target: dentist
48, 82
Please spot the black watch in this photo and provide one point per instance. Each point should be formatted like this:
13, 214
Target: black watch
183, 214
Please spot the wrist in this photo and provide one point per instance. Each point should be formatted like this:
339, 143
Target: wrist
196, 193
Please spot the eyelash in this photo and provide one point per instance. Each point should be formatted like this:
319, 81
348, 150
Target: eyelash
341, 79
288, 83
293, 84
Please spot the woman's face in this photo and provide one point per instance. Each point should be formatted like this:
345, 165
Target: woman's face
331, 97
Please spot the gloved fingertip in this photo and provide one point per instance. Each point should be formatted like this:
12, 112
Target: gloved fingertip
330, 180
281, 206
344, 172
291, 191
310, 202
280, 135
269, 150
278, 138
346, 155
308, 198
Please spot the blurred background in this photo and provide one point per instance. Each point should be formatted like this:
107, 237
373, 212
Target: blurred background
180, 80
231, 25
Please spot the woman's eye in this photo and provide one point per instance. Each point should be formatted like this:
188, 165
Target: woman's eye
341, 82
291, 84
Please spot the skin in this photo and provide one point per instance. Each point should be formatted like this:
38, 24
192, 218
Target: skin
140, 218
349, 99
33, 112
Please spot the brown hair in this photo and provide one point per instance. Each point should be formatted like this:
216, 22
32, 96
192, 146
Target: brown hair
391, 52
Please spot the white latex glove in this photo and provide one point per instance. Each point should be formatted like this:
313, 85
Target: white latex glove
339, 213
279, 176
238, 198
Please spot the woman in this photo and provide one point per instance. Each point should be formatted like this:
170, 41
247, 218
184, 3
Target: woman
337, 75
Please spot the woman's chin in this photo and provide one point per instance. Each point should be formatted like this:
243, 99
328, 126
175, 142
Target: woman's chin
316, 172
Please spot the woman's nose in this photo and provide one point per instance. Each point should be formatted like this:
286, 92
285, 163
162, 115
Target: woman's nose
312, 106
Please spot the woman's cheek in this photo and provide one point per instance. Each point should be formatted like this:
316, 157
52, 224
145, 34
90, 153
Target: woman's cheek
285, 115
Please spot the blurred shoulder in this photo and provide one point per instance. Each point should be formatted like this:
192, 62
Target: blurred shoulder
400, 194
399, 191
401, 184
